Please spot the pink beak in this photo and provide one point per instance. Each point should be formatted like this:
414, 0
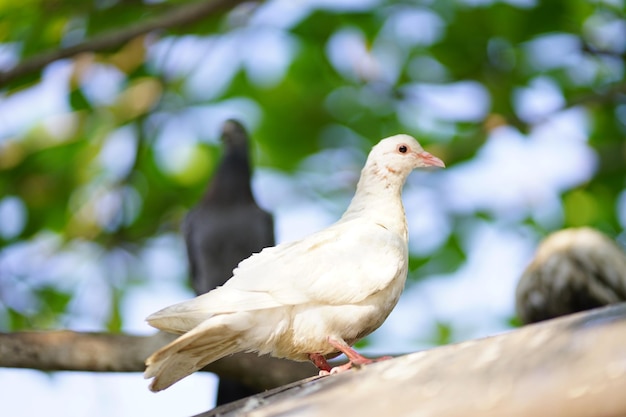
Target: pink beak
431, 160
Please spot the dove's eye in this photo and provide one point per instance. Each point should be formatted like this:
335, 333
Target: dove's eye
402, 149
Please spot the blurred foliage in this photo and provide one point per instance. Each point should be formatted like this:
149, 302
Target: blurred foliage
443, 334
345, 72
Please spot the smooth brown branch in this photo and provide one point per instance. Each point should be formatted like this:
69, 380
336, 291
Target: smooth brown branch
573, 366
101, 352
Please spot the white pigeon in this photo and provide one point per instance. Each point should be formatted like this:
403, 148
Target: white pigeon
310, 299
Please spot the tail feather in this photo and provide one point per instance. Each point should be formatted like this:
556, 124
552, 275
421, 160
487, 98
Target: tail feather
176, 324
189, 353
184, 316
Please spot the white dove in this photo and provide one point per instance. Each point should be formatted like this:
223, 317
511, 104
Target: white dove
309, 299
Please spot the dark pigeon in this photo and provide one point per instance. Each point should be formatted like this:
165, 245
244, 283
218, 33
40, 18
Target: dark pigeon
225, 227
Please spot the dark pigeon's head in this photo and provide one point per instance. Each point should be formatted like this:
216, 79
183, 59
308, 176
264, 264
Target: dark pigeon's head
234, 135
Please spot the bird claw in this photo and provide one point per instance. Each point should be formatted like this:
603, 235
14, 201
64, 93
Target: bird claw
347, 366
336, 369
355, 359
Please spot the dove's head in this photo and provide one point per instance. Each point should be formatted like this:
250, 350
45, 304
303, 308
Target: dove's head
401, 154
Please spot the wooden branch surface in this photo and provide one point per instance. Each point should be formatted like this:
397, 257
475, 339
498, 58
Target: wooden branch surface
574, 366
97, 352
183, 15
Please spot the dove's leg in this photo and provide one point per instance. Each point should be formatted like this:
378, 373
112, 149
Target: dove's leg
320, 361
353, 356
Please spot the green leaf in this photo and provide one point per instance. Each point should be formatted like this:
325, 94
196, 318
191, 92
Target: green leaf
55, 301
78, 101
443, 333
115, 322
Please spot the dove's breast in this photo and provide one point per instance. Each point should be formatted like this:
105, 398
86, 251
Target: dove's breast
311, 324
347, 292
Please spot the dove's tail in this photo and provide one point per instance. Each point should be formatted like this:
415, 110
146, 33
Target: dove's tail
194, 350
182, 317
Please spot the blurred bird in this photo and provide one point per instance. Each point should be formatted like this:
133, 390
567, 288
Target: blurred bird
225, 227
573, 270
310, 299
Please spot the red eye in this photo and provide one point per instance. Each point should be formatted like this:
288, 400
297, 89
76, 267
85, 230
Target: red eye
402, 149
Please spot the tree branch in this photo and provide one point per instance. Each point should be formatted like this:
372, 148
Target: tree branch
574, 366
602, 96
180, 16
98, 352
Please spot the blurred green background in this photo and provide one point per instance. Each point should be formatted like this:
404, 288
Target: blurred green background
102, 153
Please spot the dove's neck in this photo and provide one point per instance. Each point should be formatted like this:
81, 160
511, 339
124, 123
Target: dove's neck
378, 198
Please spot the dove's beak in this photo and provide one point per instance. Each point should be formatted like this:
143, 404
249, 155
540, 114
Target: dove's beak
430, 160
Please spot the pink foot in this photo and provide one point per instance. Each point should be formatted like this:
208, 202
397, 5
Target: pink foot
353, 356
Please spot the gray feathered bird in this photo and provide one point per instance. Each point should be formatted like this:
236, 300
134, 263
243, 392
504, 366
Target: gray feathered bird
225, 227
573, 270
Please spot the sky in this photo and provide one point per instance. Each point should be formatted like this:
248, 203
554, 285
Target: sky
512, 177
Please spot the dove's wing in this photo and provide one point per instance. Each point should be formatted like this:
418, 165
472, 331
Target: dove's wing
184, 316
343, 264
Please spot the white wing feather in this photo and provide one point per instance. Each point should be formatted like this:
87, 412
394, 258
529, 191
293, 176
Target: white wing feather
349, 261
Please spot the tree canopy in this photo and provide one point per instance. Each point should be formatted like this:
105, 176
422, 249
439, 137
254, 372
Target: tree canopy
110, 112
